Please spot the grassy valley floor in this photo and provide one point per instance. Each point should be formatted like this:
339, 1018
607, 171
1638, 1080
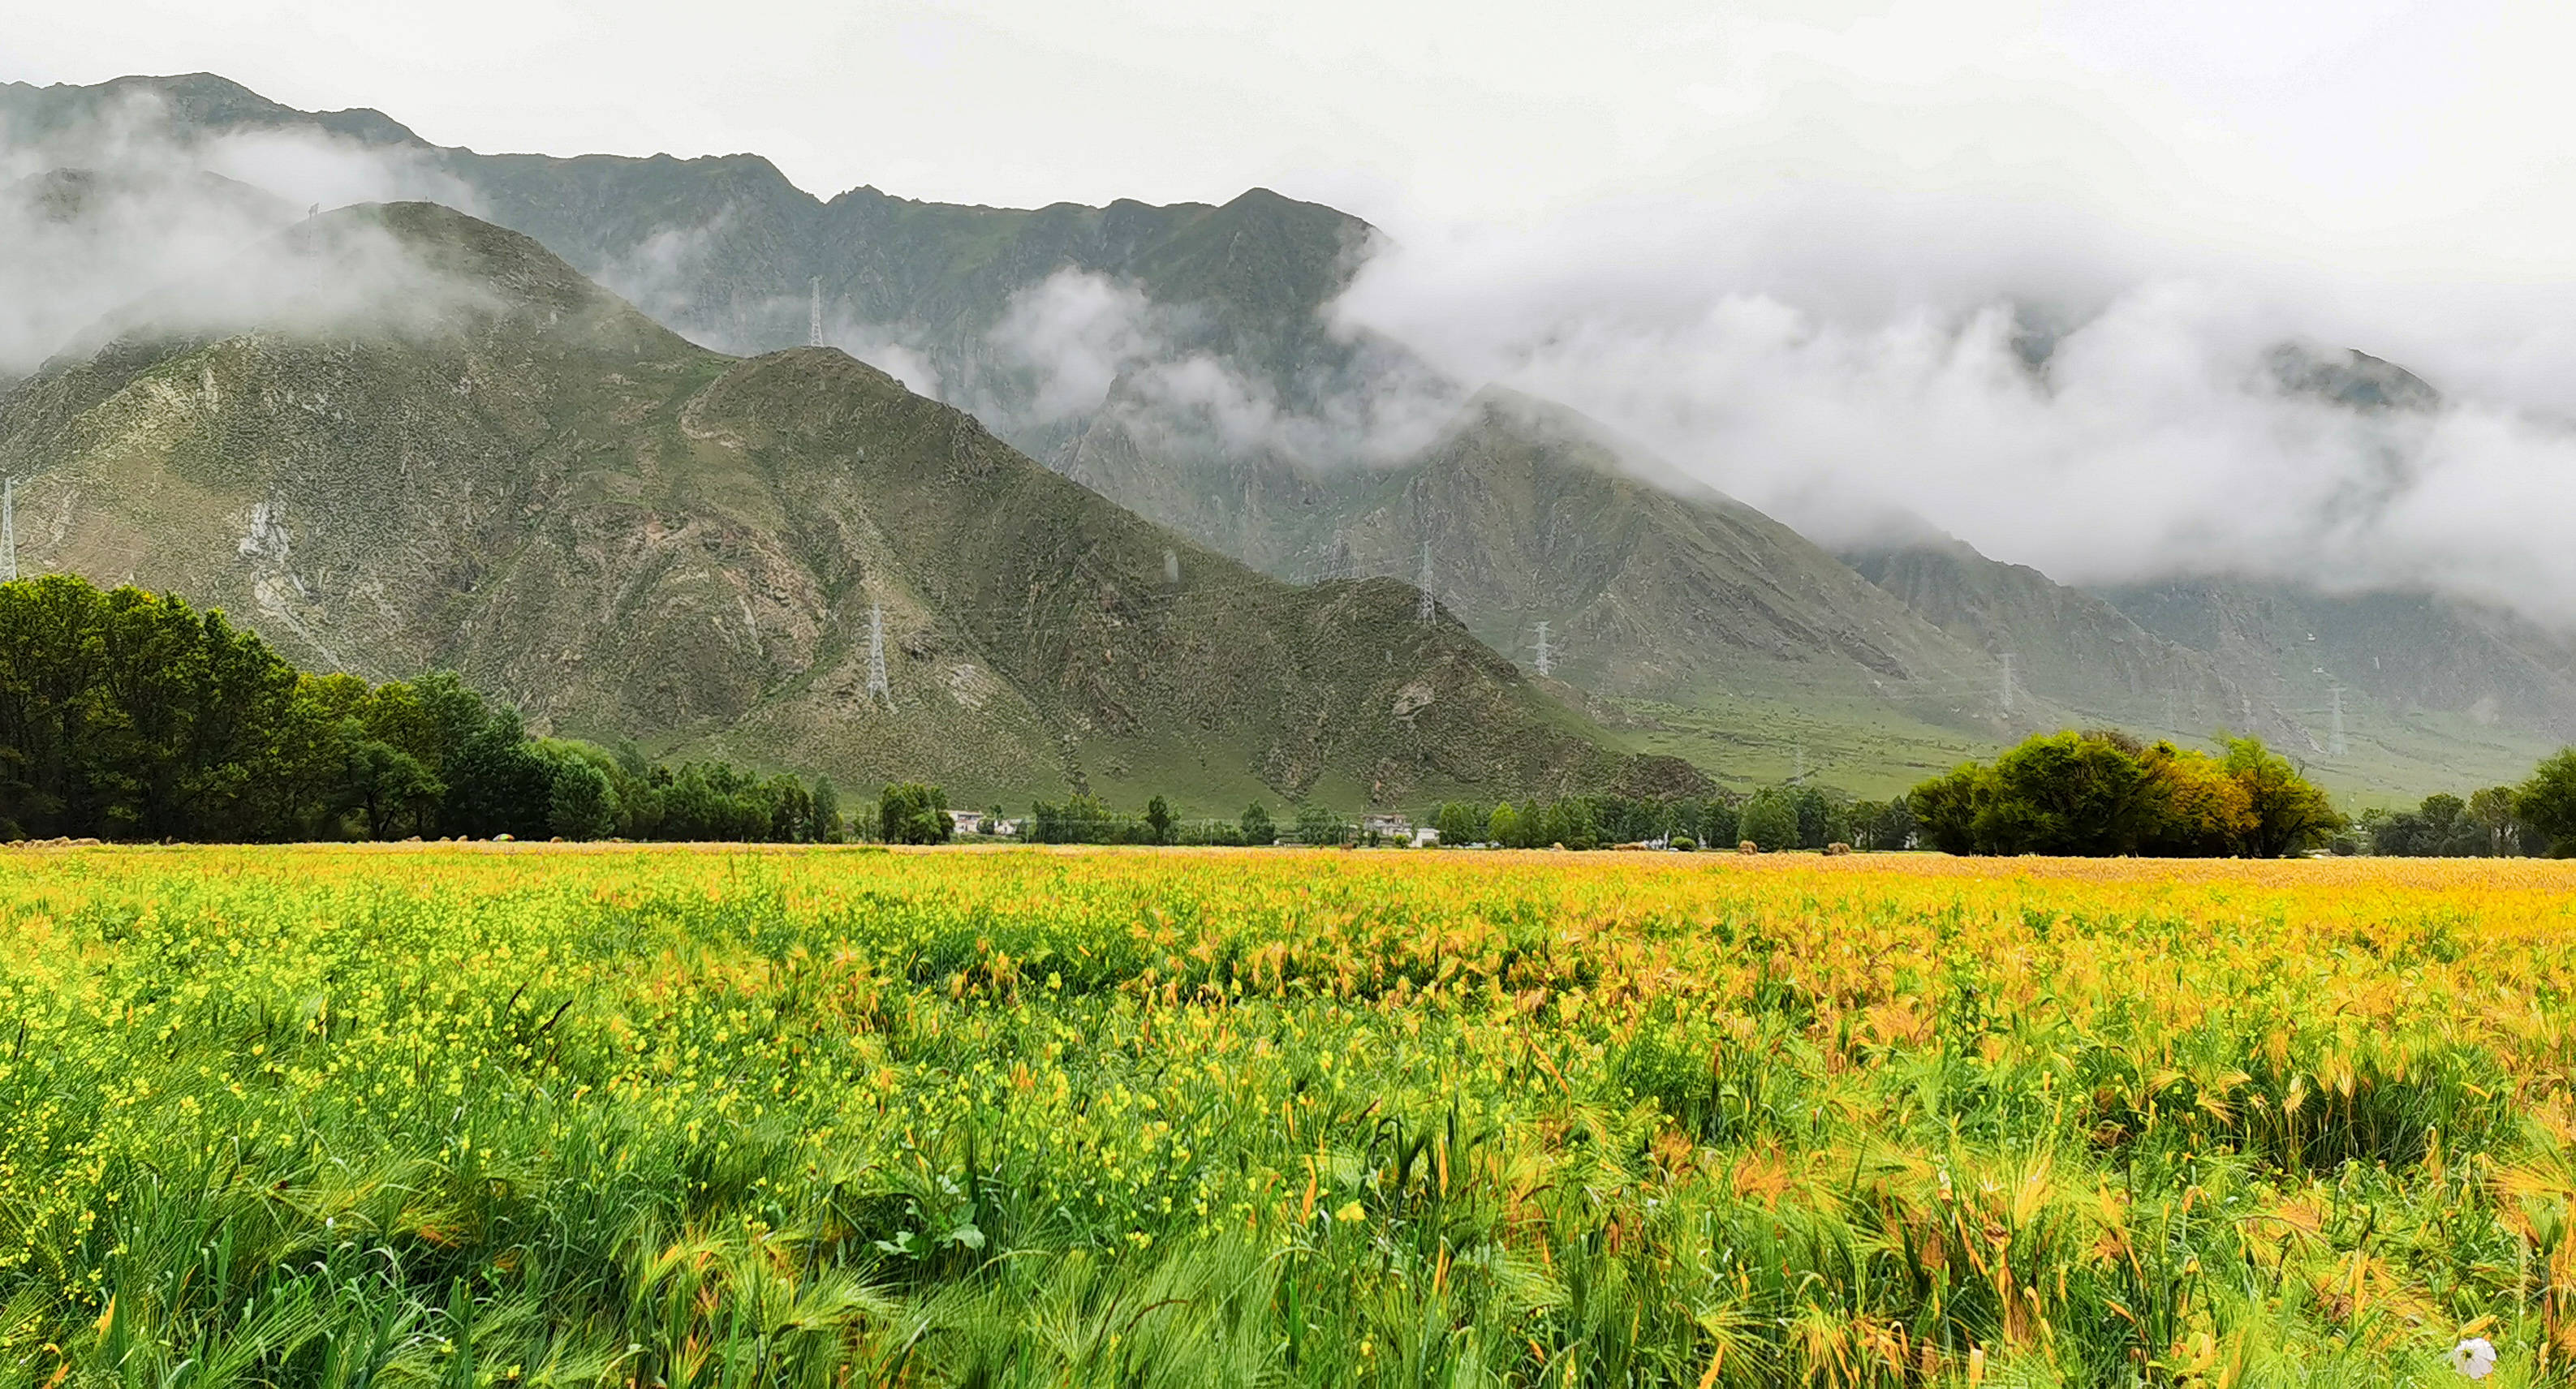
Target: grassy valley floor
501, 1115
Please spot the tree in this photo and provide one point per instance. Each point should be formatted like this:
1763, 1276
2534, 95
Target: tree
912, 813
1459, 824
388, 787
498, 783
2200, 809
1716, 825
1503, 827
2546, 802
1883, 825
2102, 792
2067, 793
1316, 825
1158, 818
1770, 819
1257, 825
828, 826
2491, 811
581, 805
1946, 807
2290, 812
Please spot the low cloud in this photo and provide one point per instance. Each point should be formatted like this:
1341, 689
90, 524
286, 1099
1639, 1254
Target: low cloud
122, 208
1079, 345
2103, 408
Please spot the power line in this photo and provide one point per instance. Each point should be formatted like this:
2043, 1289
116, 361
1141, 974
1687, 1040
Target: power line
1423, 607
1546, 661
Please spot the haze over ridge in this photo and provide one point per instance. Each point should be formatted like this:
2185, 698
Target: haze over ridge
1841, 353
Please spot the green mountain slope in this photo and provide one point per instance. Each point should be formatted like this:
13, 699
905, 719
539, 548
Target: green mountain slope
2434, 692
467, 454
1695, 625
726, 251
1707, 628
2066, 645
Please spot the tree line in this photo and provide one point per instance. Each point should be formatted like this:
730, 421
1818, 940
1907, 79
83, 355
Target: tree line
2101, 792
130, 715
2535, 818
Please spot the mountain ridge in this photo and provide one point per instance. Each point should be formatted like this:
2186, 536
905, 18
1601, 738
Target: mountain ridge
723, 247
629, 534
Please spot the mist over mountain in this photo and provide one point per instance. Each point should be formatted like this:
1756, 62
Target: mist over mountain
435, 444
1289, 387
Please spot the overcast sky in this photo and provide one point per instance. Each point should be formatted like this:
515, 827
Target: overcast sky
1785, 243
2417, 136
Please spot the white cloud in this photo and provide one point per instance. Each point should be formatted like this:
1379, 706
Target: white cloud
1080, 344
109, 211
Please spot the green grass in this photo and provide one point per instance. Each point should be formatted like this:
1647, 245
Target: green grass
357, 1117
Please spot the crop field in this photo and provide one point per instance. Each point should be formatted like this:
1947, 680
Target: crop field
509, 1115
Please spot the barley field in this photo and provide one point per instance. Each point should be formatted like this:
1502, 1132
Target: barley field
508, 1115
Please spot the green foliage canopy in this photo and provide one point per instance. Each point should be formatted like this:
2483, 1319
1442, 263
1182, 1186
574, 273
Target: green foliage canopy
2102, 792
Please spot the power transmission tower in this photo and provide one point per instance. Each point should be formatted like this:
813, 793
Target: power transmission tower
814, 314
2008, 682
1798, 767
1172, 567
2169, 710
1546, 657
8, 530
876, 657
1423, 607
2335, 745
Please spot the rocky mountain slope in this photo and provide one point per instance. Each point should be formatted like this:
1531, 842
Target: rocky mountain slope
1693, 623
442, 446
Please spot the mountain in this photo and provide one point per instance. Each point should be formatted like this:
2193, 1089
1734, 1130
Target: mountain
2381, 693
397, 437
2065, 644
2429, 691
1704, 626
726, 251
1180, 362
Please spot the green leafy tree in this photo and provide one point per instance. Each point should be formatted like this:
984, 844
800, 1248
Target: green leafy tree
913, 813
2104, 793
828, 825
2290, 812
1158, 818
1459, 824
1770, 819
1571, 823
1947, 806
1504, 826
2491, 812
1316, 825
1258, 828
388, 787
581, 804
2546, 803
1717, 824
2067, 793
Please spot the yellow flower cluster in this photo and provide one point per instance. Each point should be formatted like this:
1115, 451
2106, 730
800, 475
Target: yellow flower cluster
1494, 1117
